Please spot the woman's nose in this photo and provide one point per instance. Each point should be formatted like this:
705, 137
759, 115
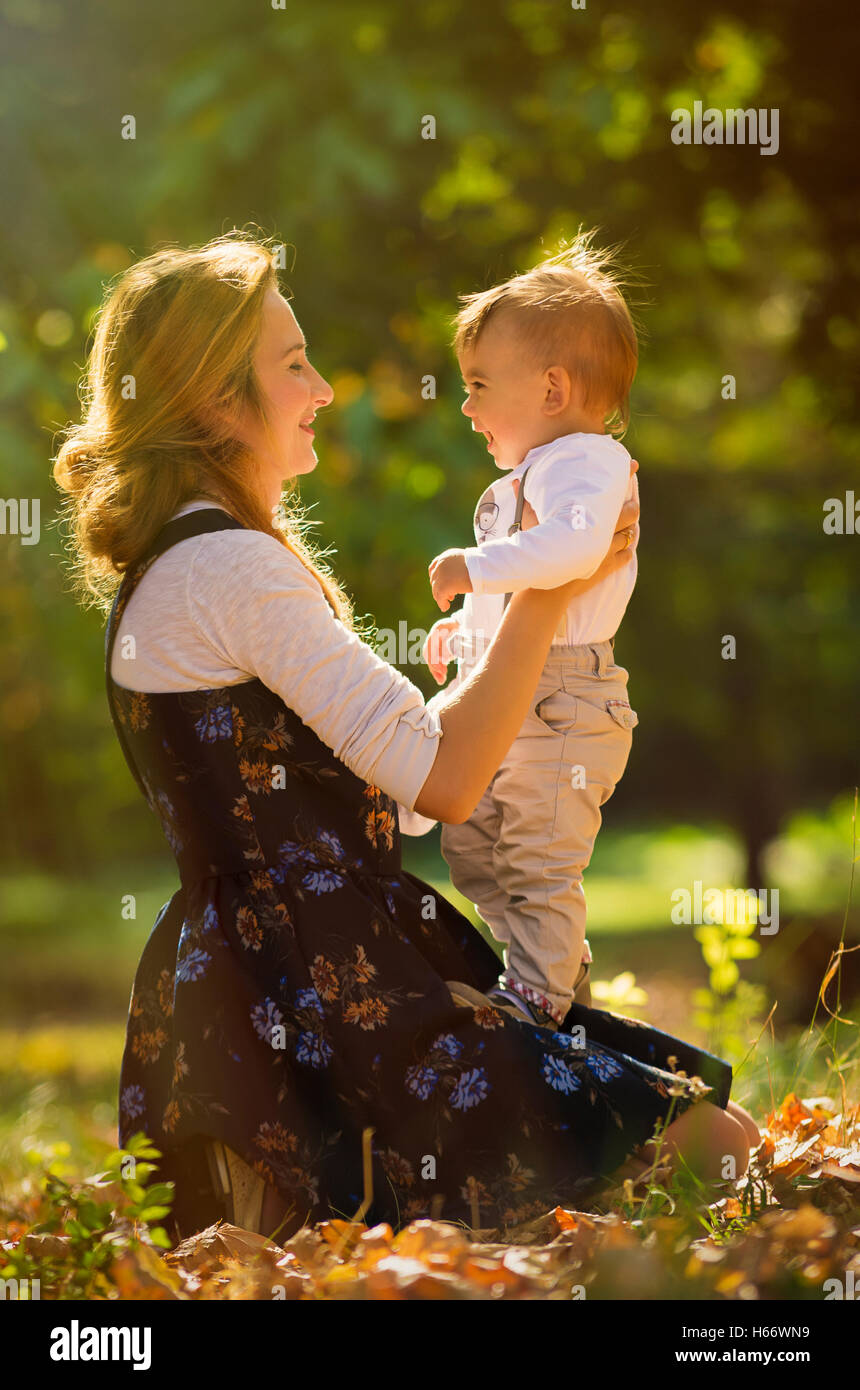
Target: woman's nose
324, 395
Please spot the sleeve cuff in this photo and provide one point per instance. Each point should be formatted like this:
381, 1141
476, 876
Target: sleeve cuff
412, 822
404, 766
472, 557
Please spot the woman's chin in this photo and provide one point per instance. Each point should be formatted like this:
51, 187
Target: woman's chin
305, 464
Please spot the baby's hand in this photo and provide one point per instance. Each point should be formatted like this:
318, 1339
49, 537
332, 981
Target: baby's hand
437, 651
449, 577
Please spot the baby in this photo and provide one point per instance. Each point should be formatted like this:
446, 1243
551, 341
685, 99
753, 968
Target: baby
548, 359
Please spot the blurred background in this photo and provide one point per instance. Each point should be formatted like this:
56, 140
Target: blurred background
306, 121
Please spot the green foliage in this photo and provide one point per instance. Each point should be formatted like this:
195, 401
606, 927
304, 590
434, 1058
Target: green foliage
308, 122
728, 1009
81, 1229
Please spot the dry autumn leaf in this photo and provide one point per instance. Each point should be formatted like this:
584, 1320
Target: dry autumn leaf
210, 1249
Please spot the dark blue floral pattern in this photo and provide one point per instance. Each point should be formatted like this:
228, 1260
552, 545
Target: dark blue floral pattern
215, 723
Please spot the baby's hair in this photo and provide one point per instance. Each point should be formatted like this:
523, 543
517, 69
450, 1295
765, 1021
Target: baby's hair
567, 311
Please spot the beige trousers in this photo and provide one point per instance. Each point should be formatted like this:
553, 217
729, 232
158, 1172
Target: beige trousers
521, 855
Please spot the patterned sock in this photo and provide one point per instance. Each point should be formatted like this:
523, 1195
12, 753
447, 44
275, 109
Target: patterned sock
533, 996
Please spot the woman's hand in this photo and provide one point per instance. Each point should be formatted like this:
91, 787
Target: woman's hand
529, 516
621, 549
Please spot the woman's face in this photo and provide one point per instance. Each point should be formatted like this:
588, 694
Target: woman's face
294, 391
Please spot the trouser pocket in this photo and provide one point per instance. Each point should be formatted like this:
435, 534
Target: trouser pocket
622, 713
557, 711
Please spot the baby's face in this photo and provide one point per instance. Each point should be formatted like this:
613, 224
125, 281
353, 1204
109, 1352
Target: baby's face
505, 396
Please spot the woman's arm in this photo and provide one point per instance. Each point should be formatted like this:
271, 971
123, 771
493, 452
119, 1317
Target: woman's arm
483, 716
253, 608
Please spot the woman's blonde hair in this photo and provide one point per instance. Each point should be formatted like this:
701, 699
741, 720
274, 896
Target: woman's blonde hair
170, 372
567, 311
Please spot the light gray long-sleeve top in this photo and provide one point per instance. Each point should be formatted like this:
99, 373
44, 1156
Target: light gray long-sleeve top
227, 606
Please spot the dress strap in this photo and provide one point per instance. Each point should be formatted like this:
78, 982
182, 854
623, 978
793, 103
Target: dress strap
181, 528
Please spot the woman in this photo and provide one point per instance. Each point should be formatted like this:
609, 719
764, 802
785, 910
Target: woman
292, 995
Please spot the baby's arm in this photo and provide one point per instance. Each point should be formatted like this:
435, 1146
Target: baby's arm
437, 647
578, 501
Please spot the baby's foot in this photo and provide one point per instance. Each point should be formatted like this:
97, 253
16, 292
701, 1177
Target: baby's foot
513, 1003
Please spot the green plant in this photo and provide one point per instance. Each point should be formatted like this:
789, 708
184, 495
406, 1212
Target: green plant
829, 1034
77, 1232
728, 1008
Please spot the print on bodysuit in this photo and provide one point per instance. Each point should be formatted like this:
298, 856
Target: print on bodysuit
486, 515
488, 510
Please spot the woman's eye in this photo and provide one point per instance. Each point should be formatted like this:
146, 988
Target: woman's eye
297, 365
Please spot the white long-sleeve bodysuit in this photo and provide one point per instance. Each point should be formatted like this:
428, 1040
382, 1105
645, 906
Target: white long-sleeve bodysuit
576, 485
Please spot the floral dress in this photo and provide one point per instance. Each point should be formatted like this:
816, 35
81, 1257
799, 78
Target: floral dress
292, 992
